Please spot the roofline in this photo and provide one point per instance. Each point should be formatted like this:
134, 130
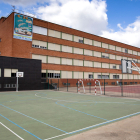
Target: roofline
75, 30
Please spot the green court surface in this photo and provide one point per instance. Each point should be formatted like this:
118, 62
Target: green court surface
45, 115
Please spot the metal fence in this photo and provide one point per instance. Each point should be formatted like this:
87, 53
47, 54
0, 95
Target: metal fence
108, 87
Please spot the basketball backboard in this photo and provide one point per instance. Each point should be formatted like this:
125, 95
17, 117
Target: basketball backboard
19, 74
125, 65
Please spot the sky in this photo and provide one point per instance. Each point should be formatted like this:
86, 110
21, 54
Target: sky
118, 20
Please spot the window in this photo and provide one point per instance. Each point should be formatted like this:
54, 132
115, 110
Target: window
97, 54
120, 66
55, 47
105, 76
54, 33
115, 76
0, 72
87, 52
125, 83
39, 30
114, 67
7, 72
6, 85
66, 61
66, 49
13, 86
53, 75
103, 56
66, 36
13, 73
0, 39
113, 83
80, 41
40, 57
39, 44
87, 41
43, 75
0, 85
96, 43
78, 51
126, 50
99, 76
90, 76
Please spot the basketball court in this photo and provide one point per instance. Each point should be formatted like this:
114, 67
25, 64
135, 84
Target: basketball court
56, 115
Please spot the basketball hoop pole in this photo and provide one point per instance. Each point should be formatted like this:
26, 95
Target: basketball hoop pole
17, 85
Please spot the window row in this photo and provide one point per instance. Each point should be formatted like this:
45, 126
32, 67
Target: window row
57, 34
85, 75
75, 62
57, 47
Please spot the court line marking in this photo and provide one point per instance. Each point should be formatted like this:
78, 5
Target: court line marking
81, 112
80, 101
11, 131
76, 131
103, 96
20, 127
34, 119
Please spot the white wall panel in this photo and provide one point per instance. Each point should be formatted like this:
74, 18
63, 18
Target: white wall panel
86, 75
97, 64
76, 38
97, 54
43, 58
134, 52
54, 33
69, 74
43, 71
66, 36
80, 75
78, 51
87, 41
76, 75
87, 52
39, 30
118, 57
7, 72
57, 60
112, 47
130, 51
35, 42
104, 45
118, 49
112, 56
105, 65
35, 56
97, 43
50, 59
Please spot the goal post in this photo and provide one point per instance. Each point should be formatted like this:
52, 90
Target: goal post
96, 83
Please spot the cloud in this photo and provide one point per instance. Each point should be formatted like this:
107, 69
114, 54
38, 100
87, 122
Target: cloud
79, 14
129, 35
23, 2
0, 11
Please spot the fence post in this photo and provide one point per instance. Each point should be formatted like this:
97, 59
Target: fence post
67, 84
121, 87
58, 84
77, 85
48, 83
90, 86
104, 86
51, 83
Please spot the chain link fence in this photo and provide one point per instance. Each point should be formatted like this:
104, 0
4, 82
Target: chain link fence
108, 87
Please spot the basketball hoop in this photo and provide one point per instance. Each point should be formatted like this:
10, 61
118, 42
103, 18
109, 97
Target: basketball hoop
18, 75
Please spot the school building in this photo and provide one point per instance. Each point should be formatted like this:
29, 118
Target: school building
65, 53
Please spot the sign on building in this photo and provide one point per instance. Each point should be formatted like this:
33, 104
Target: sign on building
23, 27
